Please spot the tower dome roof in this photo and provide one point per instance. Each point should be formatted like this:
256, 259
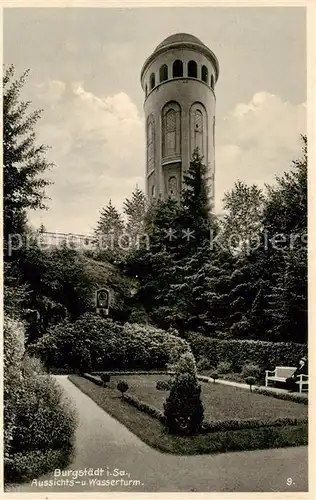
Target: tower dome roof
177, 40
179, 37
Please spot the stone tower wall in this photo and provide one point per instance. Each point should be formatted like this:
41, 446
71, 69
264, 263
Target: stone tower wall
191, 103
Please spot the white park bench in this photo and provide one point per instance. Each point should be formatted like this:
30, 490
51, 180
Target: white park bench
281, 373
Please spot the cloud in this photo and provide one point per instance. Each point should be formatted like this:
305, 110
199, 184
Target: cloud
97, 144
98, 148
257, 141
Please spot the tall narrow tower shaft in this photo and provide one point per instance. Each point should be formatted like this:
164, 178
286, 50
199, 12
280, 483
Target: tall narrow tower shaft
178, 80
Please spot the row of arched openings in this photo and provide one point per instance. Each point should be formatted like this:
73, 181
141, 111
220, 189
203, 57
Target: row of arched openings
178, 72
171, 131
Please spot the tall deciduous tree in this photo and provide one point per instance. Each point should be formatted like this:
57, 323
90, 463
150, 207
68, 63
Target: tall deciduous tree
285, 224
242, 222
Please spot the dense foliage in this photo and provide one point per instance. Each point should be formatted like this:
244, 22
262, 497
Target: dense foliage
241, 277
267, 355
24, 162
39, 423
183, 408
96, 343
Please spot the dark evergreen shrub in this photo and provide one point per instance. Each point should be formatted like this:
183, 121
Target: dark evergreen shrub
122, 386
250, 381
105, 377
183, 408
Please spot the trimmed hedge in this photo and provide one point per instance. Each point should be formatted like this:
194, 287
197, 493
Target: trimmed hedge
144, 407
285, 396
267, 355
95, 379
107, 345
114, 373
221, 425
255, 423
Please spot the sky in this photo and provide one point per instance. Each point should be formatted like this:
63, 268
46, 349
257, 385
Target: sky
85, 74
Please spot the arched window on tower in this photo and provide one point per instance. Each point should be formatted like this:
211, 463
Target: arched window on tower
212, 82
172, 187
177, 69
198, 131
152, 81
204, 74
171, 133
150, 143
163, 73
192, 69
153, 192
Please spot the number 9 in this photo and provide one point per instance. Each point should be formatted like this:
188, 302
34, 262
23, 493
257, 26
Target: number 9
289, 481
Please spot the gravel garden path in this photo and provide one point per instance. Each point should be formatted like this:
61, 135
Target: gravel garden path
104, 443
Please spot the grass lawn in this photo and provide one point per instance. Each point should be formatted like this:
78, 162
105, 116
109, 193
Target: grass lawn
152, 432
220, 401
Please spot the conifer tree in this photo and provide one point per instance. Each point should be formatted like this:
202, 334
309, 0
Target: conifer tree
24, 161
135, 208
192, 250
108, 231
183, 408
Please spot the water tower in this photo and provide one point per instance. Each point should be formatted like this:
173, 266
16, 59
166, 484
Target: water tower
178, 80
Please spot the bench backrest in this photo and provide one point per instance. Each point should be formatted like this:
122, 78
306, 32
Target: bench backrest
284, 371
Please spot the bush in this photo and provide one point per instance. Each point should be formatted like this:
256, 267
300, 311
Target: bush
13, 352
107, 345
32, 367
251, 370
214, 376
105, 377
122, 386
224, 367
25, 466
267, 355
44, 418
44, 425
37, 417
164, 385
183, 408
204, 364
250, 381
